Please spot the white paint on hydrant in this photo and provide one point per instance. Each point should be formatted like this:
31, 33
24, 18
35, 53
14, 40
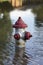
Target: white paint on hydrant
21, 35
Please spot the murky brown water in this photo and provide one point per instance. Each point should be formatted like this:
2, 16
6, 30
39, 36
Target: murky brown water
32, 54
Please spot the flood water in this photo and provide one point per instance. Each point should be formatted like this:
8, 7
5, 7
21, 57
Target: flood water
32, 54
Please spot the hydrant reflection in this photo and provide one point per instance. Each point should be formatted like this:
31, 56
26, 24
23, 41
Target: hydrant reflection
20, 58
21, 35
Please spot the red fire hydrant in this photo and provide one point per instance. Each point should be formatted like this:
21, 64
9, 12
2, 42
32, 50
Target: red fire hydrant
21, 35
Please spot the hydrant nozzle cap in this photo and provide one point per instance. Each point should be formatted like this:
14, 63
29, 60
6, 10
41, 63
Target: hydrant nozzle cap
27, 35
17, 36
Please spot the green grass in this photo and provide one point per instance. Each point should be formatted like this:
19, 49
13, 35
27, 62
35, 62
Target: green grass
5, 6
39, 11
5, 22
5, 28
4, 0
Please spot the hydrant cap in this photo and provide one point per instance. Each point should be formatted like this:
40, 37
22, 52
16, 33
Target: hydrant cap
27, 35
17, 36
19, 24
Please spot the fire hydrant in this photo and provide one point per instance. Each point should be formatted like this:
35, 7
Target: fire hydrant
21, 35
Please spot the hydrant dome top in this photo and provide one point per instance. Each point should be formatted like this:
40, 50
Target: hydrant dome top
20, 23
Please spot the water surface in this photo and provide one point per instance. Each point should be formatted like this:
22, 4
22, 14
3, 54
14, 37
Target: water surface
32, 54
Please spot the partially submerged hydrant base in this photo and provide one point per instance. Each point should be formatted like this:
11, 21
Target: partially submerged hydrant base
21, 35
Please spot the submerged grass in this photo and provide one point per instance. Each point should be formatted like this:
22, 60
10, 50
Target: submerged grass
5, 6
39, 11
5, 27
